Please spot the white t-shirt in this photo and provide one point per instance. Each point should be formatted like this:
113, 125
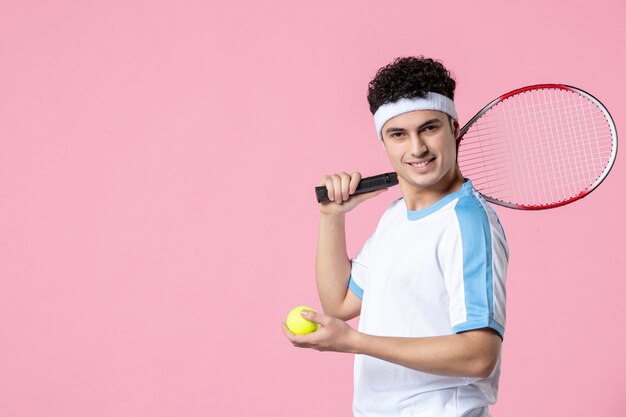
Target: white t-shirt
431, 272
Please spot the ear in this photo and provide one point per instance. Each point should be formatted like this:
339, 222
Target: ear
455, 128
457, 132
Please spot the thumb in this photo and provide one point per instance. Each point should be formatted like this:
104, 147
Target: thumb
313, 316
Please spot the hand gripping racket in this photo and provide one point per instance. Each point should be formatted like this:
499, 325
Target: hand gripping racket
535, 148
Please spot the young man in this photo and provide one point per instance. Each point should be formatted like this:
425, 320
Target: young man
429, 283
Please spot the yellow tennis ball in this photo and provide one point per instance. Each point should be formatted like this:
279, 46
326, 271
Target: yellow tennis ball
298, 324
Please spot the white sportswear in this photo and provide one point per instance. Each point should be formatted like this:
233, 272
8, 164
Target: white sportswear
431, 272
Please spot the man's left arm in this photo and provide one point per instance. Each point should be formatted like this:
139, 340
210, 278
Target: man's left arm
469, 354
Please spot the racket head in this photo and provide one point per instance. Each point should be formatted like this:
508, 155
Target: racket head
538, 147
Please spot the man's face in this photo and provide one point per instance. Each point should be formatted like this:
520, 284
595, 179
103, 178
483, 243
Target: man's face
421, 146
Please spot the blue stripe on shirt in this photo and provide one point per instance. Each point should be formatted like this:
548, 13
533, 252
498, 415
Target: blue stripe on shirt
477, 264
354, 287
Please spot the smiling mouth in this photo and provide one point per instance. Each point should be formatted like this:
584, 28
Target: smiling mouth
421, 164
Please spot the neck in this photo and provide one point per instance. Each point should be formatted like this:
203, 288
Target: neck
417, 198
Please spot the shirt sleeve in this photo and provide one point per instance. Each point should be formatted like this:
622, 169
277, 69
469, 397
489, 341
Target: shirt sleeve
362, 263
475, 260
358, 273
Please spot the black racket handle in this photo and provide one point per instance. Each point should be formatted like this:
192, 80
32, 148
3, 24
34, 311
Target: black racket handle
377, 182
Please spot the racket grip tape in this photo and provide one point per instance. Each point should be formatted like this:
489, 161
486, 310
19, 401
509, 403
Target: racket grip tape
366, 185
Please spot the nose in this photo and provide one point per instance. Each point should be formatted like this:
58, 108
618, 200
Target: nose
418, 147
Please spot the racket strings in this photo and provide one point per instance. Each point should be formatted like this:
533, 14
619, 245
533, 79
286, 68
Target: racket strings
538, 147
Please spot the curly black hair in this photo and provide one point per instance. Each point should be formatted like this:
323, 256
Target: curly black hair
409, 77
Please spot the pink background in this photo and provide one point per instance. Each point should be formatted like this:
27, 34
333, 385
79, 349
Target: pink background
157, 215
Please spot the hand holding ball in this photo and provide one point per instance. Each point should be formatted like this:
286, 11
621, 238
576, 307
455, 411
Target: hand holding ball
298, 324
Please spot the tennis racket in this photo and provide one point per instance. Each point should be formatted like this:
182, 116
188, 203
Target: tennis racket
534, 148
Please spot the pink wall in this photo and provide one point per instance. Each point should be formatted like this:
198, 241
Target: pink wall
157, 215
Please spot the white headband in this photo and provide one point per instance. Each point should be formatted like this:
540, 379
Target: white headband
432, 101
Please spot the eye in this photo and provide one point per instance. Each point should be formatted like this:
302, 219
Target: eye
430, 128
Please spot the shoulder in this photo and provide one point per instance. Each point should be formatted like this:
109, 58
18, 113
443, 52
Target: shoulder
393, 211
470, 201
478, 223
395, 205
471, 207
387, 221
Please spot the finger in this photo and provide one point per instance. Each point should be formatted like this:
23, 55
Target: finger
315, 317
345, 186
337, 188
293, 338
299, 341
355, 179
296, 338
287, 331
327, 181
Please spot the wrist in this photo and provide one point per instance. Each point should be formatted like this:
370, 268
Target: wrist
357, 343
332, 217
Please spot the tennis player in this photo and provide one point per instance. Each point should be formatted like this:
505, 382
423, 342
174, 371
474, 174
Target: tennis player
429, 283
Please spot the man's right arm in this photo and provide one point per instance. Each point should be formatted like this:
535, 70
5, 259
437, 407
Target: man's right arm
333, 265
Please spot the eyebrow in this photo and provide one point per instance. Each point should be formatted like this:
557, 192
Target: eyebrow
423, 125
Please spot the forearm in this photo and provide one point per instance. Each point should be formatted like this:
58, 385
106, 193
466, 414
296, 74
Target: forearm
332, 263
471, 354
